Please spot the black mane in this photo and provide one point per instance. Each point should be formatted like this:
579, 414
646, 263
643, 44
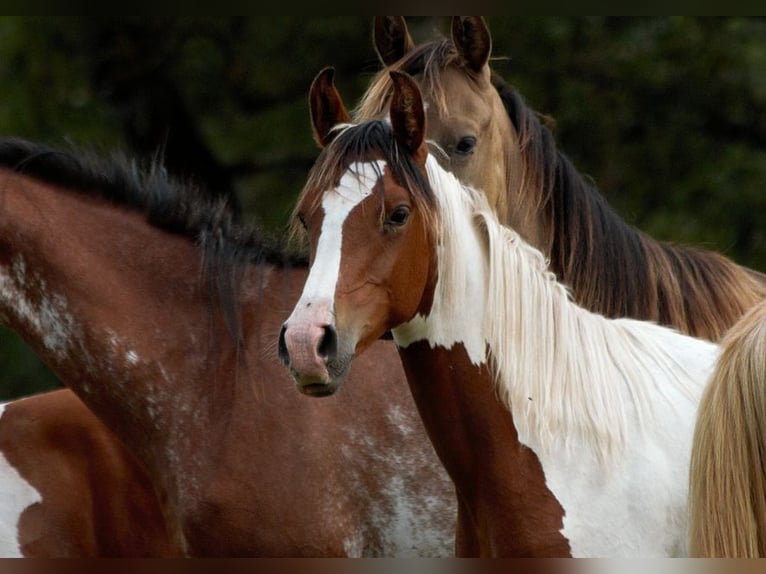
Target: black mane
168, 203
614, 268
226, 247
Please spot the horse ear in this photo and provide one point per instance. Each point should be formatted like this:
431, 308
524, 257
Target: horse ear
408, 117
391, 38
327, 109
471, 37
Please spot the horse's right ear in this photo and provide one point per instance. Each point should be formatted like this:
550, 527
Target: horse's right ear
327, 109
391, 38
471, 37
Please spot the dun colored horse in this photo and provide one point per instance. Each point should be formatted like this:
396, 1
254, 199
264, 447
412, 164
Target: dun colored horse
491, 139
586, 451
160, 313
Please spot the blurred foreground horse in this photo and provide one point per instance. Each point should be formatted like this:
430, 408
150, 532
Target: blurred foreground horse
160, 313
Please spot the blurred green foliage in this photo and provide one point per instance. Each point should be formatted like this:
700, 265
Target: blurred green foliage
667, 115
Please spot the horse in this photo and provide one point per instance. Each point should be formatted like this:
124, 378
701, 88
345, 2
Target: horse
727, 482
495, 142
566, 433
543, 197
159, 311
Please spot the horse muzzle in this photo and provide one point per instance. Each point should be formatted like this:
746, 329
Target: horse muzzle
309, 349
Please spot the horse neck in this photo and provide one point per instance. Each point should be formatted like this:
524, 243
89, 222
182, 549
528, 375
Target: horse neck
521, 203
505, 507
572, 385
111, 304
611, 267
461, 274
479, 297
504, 278
550, 203
445, 359
495, 293
594, 251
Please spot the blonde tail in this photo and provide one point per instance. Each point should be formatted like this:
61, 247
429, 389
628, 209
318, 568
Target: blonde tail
727, 482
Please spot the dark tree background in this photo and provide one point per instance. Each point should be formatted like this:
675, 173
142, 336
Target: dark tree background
666, 115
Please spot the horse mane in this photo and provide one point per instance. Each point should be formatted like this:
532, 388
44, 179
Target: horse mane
727, 479
170, 204
612, 267
547, 395
428, 60
355, 142
546, 390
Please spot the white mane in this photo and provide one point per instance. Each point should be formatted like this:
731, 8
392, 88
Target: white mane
566, 374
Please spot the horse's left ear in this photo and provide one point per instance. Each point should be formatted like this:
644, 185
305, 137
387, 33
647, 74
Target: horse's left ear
327, 109
408, 117
391, 38
471, 37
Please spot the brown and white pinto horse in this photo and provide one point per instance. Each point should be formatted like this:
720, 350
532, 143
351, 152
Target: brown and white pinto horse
610, 267
161, 314
565, 432
493, 141
727, 490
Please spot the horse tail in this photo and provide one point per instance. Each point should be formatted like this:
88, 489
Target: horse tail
727, 482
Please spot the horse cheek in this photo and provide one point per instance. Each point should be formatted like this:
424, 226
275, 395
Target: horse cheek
413, 281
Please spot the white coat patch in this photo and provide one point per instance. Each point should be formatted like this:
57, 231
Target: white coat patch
16, 495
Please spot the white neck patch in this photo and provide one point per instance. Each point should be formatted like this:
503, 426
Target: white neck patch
457, 312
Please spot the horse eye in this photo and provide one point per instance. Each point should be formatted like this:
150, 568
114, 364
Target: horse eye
302, 219
465, 145
398, 216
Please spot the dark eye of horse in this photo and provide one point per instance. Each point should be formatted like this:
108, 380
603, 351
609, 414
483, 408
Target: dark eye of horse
398, 216
302, 219
465, 145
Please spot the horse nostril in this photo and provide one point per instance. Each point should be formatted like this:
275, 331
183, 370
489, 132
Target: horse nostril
284, 354
328, 345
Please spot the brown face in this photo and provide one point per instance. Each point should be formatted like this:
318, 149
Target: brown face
371, 267
371, 258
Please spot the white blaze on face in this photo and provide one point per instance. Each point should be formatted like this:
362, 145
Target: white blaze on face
16, 495
355, 185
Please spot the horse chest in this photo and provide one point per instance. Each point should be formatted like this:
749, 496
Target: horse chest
625, 512
633, 506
